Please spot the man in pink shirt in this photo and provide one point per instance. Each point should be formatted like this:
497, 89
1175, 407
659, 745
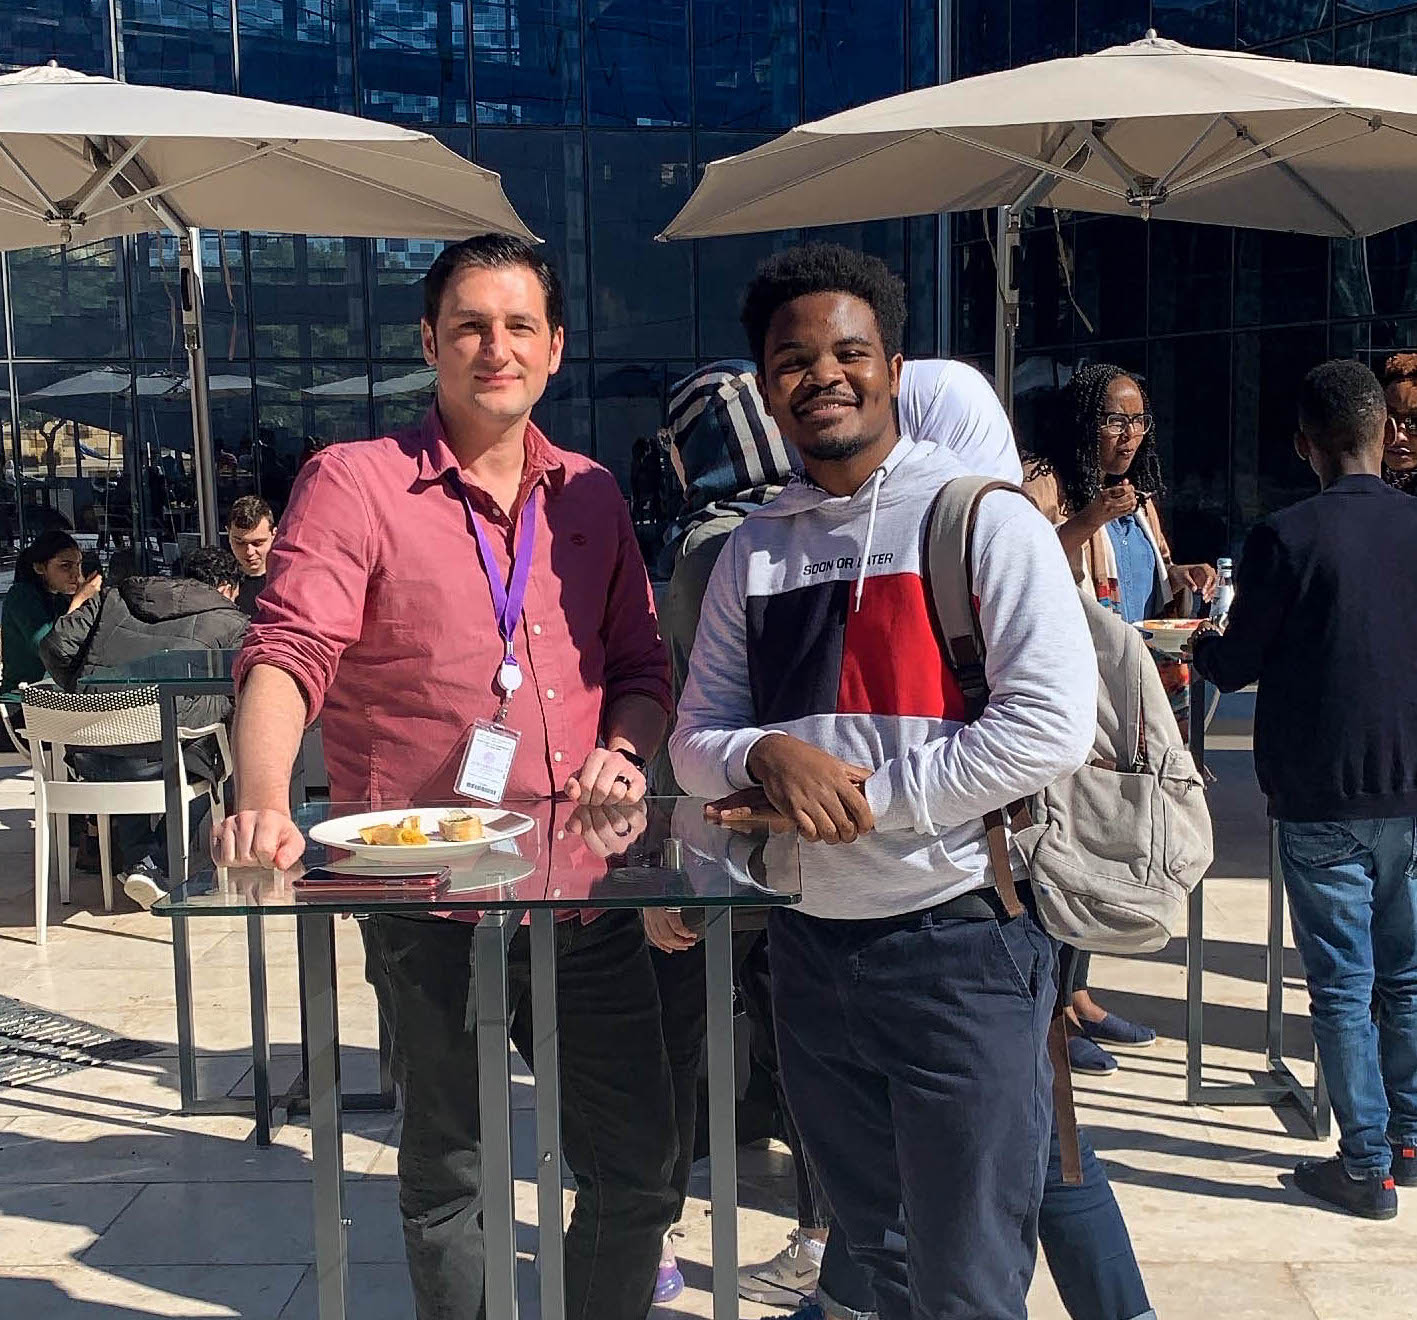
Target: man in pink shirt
461, 580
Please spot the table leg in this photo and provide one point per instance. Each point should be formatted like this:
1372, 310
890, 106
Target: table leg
722, 1097
546, 1065
260, 1027
1195, 983
181, 946
316, 931
494, 1083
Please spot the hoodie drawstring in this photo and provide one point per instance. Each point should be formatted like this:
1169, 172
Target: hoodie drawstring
870, 535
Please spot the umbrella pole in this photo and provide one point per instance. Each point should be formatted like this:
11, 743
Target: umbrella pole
1008, 229
194, 336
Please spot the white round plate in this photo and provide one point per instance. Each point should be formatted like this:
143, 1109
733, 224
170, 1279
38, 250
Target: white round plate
343, 832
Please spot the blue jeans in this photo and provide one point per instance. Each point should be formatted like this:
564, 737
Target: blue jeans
1352, 889
1083, 1235
914, 1058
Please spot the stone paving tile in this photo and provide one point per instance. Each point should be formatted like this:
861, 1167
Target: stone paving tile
134, 1292
1358, 1292
52, 1223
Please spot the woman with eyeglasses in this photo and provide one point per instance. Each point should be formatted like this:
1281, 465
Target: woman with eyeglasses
1095, 472
1400, 453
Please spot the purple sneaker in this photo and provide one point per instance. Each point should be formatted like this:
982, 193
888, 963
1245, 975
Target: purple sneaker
668, 1283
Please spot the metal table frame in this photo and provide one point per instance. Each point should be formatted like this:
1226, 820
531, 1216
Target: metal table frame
1283, 1085
490, 940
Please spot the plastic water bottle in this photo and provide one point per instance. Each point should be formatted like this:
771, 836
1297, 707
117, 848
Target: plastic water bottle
1224, 591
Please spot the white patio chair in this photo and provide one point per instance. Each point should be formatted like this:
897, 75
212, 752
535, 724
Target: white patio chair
57, 721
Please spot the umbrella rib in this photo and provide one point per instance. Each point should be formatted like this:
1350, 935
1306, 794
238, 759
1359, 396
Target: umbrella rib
31, 182
105, 176
1018, 158
1165, 180
147, 194
1257, 149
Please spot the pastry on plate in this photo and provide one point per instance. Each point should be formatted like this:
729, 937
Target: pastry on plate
460, 826
407, 833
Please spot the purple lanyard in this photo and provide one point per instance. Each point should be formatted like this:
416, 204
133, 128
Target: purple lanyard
508, 600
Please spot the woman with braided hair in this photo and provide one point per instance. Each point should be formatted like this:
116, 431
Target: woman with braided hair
1094, 470
1400, 451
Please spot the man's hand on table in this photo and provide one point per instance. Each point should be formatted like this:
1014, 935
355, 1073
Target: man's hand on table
610, 830
817, 792
257, 838
606, 779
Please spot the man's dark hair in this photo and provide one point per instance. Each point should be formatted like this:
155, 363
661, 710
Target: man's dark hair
213, 566
247, 512
1342, 408
492, 252
823, 268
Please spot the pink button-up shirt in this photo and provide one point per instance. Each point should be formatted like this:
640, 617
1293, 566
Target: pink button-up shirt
377, 605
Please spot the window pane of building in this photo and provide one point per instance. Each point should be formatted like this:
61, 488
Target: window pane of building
1362, 8
157, 308
543, 173
1189, 386
307, 296
637, 63
641, 291
298, 52
1316, 48
982, 36
75, 437
403, 392
301, 408
1385, 43
974, 290
1280, 277
924, 43
1190, 276
853, 52
1103, 23
745, 64
922, 325
396, 307
1375, 276
413, 60
629, 406
564, 413
526, 61
176, 43
1258, 21
1042, 30
1037, 379
74, 32
1041, 266
1196, 22
68, 302
1109, 279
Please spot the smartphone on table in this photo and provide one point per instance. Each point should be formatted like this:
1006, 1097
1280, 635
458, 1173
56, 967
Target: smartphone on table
324, 885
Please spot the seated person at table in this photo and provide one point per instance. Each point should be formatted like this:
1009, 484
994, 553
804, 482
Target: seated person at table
47, 574
140, 618
251, 531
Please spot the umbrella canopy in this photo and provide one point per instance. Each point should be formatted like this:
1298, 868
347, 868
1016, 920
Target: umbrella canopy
80, 158
351, 387
1151, 128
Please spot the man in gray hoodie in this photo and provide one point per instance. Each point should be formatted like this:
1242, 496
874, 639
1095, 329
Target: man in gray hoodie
912, 1010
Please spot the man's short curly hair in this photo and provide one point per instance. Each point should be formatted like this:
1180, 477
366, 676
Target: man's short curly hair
823, 268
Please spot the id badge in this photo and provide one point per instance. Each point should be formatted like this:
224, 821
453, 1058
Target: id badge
487, 763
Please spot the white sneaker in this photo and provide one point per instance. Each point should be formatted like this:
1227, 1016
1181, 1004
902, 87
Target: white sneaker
789, 1278
142, 887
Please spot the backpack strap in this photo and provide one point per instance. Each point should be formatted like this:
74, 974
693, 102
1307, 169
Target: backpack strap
949, 563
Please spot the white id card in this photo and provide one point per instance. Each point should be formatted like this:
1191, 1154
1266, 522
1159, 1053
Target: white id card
487, 763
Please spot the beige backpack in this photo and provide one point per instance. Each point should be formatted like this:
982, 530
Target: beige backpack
1114, 848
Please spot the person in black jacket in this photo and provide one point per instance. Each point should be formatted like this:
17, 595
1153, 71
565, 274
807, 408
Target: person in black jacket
1322, 619
139, 618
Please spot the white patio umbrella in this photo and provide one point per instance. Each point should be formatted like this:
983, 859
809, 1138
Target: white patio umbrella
85, 158
349, 387
1151, 129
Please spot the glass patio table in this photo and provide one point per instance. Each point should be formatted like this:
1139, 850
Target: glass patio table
659, 854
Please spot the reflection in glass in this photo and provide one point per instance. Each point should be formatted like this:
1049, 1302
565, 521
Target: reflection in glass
178, 43
1110, 279
1279, 277
73, 32
1385, 43
307, 296
1103, 23
397, 294
854, 52
982, 35
1190, 276
974, 288
1375, 276
641, 291
298, 414
413, 60
297, 51
1258, 21
745, 64
543, 174
157, 311
68, 301
1043, 270
1196, 22
924, 43
564, 413
637, 63
526, 61
922, 287
629, 406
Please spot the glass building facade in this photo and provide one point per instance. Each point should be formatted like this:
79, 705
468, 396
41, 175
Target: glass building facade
1223, 322
599, 115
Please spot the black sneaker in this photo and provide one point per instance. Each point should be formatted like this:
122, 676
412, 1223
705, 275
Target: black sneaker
1373, 1197
1404, 1165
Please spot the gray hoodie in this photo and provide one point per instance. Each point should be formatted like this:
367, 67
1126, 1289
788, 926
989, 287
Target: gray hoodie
816, 623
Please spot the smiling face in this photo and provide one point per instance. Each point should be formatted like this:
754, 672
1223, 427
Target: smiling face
493, 346
827, 380
1400, 453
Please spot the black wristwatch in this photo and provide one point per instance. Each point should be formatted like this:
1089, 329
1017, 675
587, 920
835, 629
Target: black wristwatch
635, 759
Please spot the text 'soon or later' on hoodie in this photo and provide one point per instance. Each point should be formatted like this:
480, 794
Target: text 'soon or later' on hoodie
824, 596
